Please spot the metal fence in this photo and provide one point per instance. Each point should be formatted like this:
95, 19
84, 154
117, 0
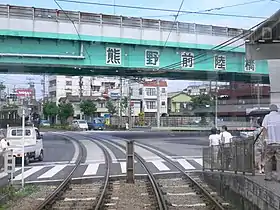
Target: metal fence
237, 156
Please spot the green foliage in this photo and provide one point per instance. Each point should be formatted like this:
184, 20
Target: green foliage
50, 109
124, 103
88, 107
202, 101
111, 107
2, 86
65, 110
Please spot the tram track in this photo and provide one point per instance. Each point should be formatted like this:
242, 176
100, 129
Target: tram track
82, 195
185, 191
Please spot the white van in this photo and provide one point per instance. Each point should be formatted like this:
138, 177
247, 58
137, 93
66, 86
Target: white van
33, 143
80, 125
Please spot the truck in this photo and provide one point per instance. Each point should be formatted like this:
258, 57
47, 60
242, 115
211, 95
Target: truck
33, 143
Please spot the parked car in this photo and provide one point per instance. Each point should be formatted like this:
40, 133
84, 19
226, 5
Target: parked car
79, 125
45, 123
96, 124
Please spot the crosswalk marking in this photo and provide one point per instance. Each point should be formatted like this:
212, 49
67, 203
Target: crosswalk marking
123, 167
185, 164
52, 172
91, 169
160, 165
29, 172
199, 161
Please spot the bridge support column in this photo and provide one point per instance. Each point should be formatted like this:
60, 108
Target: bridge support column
130, 162
274, 77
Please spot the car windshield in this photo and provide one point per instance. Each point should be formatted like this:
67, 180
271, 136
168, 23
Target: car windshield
82, 122
97, 121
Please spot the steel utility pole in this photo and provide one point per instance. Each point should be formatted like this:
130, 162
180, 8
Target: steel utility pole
80, 86
129, 104
120, 103
158, 103
43, 83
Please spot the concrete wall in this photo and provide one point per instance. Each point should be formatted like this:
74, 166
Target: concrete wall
274, 77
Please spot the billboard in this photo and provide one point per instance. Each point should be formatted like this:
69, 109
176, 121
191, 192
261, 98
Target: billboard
24, 92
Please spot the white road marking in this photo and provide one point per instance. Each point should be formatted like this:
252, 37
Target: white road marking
50, 173
29, 172
77, 151
116, 146
49, 163
114, 159
186, 165
160, 165
94, 152
199, 161
123, 167
155, 150
91, 169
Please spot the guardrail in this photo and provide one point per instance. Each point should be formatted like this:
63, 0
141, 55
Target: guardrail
238, 156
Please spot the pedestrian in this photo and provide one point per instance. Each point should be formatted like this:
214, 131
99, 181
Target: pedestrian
271, 129
214, 141
226, 139
4, 146
259, 146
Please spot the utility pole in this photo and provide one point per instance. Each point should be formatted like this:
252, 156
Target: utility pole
81, 86
120, 103
158, 103
43, 83
129, 104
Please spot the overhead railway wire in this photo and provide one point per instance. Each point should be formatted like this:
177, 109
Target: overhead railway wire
161, 9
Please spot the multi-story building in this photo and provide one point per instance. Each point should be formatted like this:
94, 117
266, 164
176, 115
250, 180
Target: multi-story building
144, 97
238, 98
62, 86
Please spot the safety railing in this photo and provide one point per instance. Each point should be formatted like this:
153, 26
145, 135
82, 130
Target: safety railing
9, 11
237, 156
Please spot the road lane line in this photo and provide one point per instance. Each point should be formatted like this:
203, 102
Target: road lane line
29, 172
160, 165
185, 164
50, 173
94, 152
114, 159
123, 167
91, 169
155, 150
77, 151
116, 146
199, 161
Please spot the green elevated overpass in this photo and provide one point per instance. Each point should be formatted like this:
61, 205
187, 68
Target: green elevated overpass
36, 49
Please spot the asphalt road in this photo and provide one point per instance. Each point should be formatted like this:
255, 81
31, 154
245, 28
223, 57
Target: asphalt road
184, 151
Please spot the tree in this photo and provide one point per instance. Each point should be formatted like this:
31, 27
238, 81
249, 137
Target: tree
88, 107
202, 106
65, 111
124, 104
111, 107
50, 110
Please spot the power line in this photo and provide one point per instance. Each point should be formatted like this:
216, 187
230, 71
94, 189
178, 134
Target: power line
162, 10
178, 12
218, 47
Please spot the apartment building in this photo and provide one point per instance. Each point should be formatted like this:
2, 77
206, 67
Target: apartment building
62, 86
144, 97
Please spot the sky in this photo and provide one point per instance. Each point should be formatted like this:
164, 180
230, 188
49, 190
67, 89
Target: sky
254, 8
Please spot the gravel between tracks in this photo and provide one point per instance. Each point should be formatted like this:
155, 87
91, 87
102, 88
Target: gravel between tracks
131, 196
30, 201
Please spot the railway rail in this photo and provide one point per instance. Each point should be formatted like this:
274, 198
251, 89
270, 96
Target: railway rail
81, 195
186, 191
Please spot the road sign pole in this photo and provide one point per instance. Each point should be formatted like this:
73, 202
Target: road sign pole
22, 142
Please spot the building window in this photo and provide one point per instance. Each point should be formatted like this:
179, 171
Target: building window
68, 82
163, 103
151, 104
163, 90
151, 92
102, 105
140, 91
52, 83
96, 88
68, 94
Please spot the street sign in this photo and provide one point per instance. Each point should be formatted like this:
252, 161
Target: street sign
20, 111
24, 92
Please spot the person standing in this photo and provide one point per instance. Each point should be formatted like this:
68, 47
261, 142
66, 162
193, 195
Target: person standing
226, 139
3, 147
214, 141
271, 129
259, 146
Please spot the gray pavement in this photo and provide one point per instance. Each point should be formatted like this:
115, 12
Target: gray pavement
58, 166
